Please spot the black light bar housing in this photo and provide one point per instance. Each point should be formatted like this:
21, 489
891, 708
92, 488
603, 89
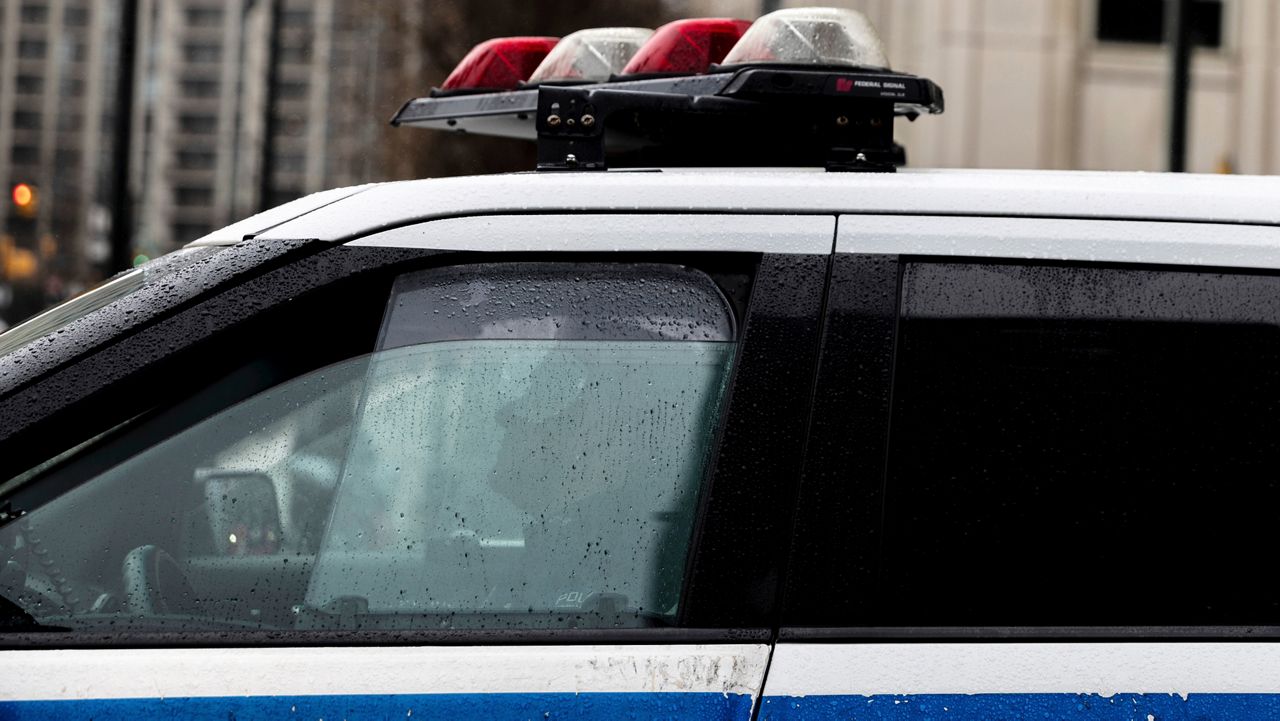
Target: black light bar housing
774, 115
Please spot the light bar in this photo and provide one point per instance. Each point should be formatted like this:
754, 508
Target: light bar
498, 64
831, 37
592, 55
687, 46
801, 87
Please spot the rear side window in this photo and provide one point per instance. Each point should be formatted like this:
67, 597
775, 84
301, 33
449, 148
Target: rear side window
524, 448
1082, 446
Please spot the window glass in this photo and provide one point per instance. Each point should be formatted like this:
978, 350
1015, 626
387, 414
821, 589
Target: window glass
204, 16
31, 48
26, 120
30, 84
524, 448
1142, 21
34, 13
1083, 446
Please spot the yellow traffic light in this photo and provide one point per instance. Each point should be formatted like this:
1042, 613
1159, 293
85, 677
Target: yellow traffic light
26, 199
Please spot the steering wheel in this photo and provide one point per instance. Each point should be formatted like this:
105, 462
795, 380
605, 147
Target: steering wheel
154, 584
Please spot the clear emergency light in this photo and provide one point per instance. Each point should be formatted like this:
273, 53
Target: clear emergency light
592, 55
832, 37
497, 64
802, 86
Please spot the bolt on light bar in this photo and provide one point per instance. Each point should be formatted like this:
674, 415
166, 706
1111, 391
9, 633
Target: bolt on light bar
811, 36
498, 64
592, 55
687, 46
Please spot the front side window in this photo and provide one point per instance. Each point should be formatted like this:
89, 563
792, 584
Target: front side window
524, 448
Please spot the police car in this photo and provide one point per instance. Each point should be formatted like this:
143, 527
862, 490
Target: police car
803, 442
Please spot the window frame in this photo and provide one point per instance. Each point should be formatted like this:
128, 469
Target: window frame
775, 362
851, 416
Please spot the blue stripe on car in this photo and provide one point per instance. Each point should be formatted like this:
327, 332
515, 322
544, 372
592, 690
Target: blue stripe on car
462, 707
1024, 707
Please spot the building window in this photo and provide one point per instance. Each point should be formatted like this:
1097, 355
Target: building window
72, 86
65, 158
295, 54
1142, 21
76, 17
26, 120
31, 48
24, 155
292, 91
296, 18
195, 160
69, 122
198, 124
30, 84
290, 125
290, 163
202, 53
280, 196
35, 13
193, 196
187, 232
204, 16
199, 88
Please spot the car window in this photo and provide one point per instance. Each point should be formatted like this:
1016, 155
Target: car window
524, 448
1082, 446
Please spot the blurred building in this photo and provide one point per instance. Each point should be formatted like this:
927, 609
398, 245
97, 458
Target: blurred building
232, 90
226, 92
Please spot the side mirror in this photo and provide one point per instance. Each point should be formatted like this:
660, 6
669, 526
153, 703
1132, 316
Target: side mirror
243, 513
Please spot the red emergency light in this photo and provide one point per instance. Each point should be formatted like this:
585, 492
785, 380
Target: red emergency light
687, 46
498, 64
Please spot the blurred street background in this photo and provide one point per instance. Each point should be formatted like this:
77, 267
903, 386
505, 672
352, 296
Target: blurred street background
130, 127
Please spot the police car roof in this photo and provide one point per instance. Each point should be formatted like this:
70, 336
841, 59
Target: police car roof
347, 213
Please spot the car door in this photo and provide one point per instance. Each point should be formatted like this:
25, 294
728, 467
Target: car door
1042, 475
499, 467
